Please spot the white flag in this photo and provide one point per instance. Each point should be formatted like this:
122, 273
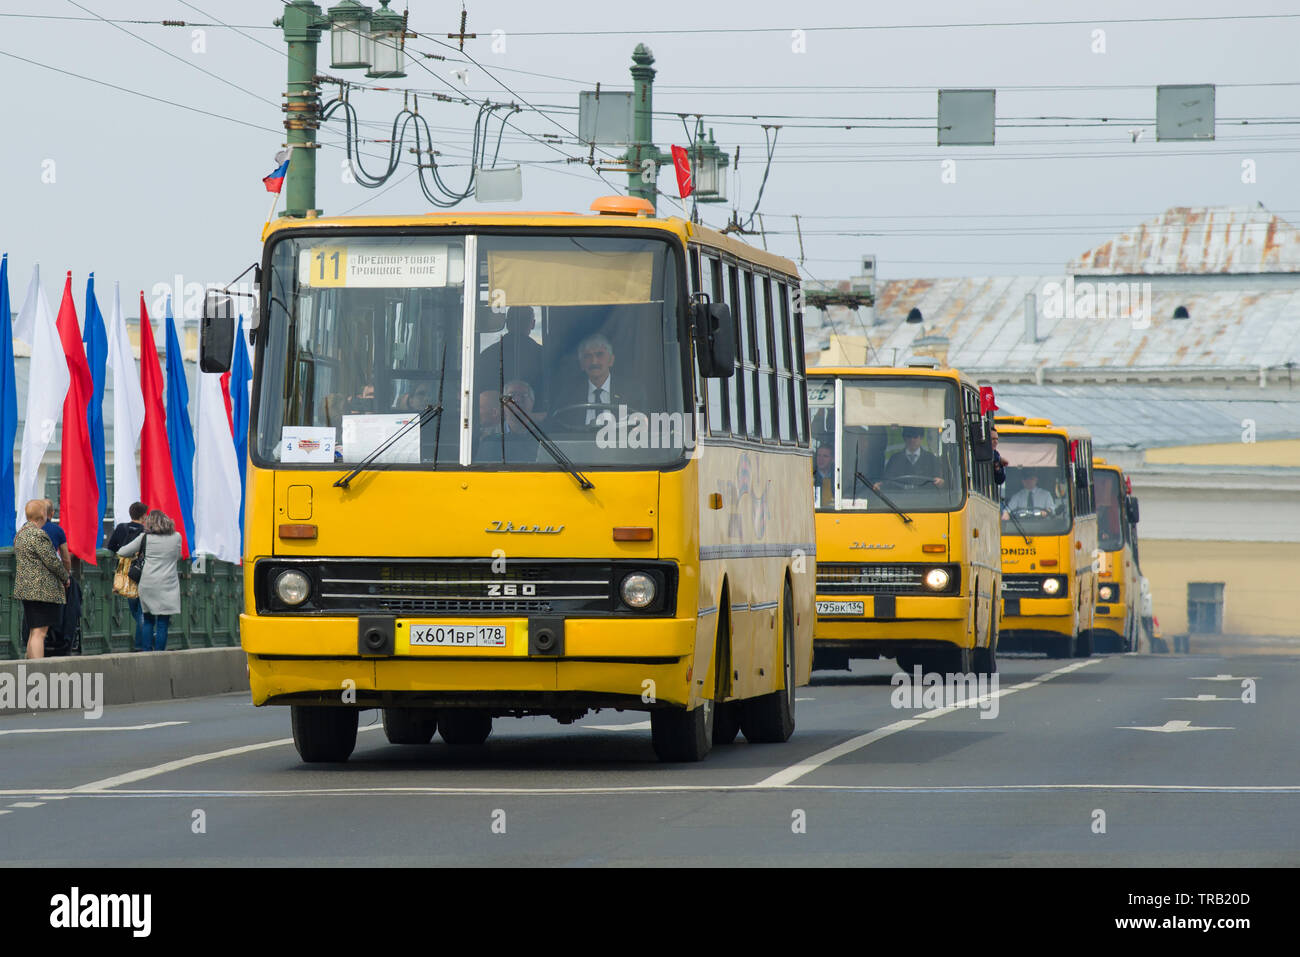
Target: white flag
128, 413
216, 476
47, 385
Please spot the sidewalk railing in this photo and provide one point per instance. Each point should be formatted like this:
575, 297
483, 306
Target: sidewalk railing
209, 618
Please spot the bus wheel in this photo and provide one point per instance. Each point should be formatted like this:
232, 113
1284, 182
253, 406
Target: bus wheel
906, 662
1083, 646
770, 719
464, 726
681, 735
323, 733
985, 660
410, 725
948, 661
726, 714
1062, 647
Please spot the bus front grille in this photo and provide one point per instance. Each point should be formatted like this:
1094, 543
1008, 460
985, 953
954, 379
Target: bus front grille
852, 579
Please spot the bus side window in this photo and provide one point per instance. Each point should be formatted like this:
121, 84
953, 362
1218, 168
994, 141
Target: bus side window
797, 368
720, 404
784, 380
739, 388
749, 354
766, 359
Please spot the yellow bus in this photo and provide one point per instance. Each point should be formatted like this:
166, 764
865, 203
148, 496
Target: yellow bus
907, 519
525, 464
1118, 618
1049, 537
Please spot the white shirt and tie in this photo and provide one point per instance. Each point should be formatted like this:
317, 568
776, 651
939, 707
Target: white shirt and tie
1032, 498
598, 395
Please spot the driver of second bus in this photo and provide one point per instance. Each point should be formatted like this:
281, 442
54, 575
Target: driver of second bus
912, 461
1031, 497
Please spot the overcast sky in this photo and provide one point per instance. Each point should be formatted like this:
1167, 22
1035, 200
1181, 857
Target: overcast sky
140, 190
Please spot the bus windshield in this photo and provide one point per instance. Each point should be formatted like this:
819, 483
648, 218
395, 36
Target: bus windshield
898, 442
1036, 491
1110, 516
575, 338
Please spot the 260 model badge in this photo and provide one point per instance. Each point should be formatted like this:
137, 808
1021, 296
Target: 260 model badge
502, 528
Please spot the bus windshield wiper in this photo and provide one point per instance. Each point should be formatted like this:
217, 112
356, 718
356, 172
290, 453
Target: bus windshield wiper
429, 412
1020, 528
544, 441
885, 498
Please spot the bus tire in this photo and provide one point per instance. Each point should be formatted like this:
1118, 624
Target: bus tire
726, 714
464, 727
324, 734
1083, 646
1062, 647
985, 660
409, 725
681, 735
769, 719
907, 661
948, 661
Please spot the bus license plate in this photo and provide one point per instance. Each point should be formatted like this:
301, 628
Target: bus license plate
840, 608
458, 636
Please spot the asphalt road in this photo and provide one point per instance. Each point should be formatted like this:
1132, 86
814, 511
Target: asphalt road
1063, 775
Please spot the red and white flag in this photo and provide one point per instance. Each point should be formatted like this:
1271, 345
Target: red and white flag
78, 486
128, 413
47, 385
216, 475
682, 165
157, 481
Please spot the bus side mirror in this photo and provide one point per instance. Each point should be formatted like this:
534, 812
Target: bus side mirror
217, 332
981, 442
1133, 511
715, 340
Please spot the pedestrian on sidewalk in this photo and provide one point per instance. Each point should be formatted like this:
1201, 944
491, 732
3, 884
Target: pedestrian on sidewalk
40, 579
55, 531
160, 585
126, 532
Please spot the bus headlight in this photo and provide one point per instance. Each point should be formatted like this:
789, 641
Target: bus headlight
638, 590
292, 587
1108, 593
1051, 585
936, 579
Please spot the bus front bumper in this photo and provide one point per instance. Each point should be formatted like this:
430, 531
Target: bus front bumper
646, 660
923, 618
1038, 614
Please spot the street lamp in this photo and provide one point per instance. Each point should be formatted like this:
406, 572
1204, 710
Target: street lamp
350, 36
387, 29
710, 168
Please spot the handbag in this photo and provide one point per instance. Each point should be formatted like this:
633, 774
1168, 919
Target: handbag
137, 563
123, 583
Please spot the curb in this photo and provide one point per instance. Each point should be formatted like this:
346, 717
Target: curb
147, 676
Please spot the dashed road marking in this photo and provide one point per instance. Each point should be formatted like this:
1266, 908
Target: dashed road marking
94, 727
808, 765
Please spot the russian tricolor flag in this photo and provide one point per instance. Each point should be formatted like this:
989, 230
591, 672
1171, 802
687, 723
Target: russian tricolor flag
275, 181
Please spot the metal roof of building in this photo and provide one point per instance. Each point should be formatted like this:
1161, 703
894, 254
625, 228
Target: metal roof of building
1138, 417
1197, 240
983, 320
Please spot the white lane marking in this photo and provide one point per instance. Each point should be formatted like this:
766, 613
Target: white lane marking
95, 727
670, 788
637, 726
808, 765
27, 804
6, 812
1172, 727
1225, 678
797, 698
1204, 697
131, 777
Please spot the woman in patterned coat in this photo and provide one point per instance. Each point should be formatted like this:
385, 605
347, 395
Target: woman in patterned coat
41, 580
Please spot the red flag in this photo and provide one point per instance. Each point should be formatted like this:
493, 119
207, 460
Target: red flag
78, 487
157, 484
682, 164
986, 400
225, 394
